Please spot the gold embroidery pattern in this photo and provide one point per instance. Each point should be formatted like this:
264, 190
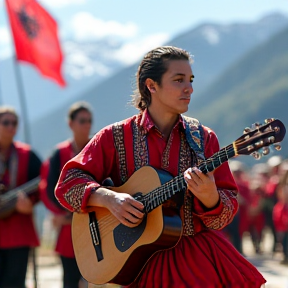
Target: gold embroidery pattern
185, 161
75, 195
76, 173
196, 140
118, 134
188, 228
218, 221
193, 124
140, 152
165, 158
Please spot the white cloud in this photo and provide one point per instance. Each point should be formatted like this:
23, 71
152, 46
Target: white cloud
5, 36
6, 43
131, 52
79, 65
61, 3
87, 27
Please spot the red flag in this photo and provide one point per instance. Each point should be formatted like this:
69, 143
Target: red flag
35, 37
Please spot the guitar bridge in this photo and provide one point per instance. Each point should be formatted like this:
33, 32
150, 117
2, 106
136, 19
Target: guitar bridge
95, 235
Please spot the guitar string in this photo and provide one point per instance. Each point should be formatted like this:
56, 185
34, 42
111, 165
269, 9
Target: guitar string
155, 195
10, 195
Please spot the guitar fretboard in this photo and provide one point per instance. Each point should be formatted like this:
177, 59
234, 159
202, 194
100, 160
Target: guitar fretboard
29, 187
159, 195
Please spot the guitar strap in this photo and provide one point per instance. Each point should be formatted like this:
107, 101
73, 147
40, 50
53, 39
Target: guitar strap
194, 135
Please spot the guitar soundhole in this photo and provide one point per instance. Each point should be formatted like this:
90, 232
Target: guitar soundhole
125, 237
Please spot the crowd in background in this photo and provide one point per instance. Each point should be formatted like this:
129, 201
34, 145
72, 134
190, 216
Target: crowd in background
19, 165
263, 198
263, 204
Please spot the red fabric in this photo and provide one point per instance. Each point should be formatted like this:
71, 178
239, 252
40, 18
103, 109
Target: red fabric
205, 260
256, 219
43, 186
280, 217
271, 186
64, 245
19, 228
197, 261
99, 158
35, 37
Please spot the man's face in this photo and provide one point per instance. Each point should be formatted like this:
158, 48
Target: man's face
173, 95
8, 126
81, 125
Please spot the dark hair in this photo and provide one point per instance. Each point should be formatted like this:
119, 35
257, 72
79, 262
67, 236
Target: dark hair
76, 107
8, 110
153, 66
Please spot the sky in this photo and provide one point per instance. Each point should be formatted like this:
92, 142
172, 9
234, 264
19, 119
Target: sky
140, 25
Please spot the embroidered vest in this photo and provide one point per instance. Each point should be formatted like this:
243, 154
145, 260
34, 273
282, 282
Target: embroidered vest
191, 145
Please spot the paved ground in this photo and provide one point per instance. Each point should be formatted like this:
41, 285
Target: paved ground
49, 269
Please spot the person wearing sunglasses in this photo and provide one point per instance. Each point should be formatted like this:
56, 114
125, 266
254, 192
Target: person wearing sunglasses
18, 165
80, 122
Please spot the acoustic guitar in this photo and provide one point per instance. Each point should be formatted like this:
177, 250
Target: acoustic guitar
9, 198
110, 252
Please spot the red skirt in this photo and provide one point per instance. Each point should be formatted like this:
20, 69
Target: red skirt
204, 260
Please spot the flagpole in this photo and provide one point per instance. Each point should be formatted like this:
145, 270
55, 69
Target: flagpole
1, 96
21, 95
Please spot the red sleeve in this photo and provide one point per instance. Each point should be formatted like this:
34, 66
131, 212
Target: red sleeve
223, 213
83, 174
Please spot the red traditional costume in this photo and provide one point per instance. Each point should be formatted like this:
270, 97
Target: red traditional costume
202, 258
18, 230
64, 152
280, 216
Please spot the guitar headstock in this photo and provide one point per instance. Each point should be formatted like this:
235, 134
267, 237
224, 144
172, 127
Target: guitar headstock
260, 136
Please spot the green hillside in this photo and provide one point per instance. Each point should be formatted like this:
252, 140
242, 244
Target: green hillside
254, 88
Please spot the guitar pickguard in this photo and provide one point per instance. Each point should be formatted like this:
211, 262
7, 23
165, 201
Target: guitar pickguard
125, 237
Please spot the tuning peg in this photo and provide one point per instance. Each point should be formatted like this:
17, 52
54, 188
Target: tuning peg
256, 125
277, 146
269, 120
246, 130
265, 151
256, 155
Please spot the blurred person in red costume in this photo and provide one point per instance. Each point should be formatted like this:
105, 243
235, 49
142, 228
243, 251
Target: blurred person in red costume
18, 165
274, 164
79, 121
280, 212
255, 209
160, 136
240, 223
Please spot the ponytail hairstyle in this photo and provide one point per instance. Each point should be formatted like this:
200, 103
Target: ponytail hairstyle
153, 66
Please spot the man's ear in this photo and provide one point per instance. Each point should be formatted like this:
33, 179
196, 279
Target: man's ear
70, 124
151, 85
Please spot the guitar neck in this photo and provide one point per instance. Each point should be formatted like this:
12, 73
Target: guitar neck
28, 188
159, 195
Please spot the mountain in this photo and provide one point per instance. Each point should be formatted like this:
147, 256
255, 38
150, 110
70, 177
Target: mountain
109, 97
252, 89
216, 47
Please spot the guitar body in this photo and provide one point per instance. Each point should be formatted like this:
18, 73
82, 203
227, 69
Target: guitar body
107, 251
125, 251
